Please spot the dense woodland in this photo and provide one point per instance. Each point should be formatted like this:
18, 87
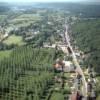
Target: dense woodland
87, 36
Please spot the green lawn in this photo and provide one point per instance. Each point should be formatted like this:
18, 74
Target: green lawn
13, 39
57, 96
4, 54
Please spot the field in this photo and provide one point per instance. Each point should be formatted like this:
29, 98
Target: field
24, 20
13, 39
4, 54
25, 17
2, 17
57, 96
30, 76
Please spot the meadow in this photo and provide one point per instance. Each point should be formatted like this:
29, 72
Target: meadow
13, 39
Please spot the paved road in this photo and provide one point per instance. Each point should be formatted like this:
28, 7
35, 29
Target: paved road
78, 68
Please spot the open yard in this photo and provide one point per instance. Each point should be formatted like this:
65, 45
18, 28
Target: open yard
13, 39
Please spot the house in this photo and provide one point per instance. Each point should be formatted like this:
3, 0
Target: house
58, 66
47, 45
68, 66
63, 48
62, 65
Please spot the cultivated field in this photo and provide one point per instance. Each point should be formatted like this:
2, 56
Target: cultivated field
13, 39
24, 20
4, 54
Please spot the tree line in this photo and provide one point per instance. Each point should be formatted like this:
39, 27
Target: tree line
87, 36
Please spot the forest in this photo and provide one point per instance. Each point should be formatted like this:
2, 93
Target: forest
87, 36
86, 10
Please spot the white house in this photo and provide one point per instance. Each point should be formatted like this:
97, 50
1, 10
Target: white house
68, 66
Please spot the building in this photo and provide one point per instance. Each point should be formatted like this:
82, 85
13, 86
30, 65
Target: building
68, 66
59, 65
47, 45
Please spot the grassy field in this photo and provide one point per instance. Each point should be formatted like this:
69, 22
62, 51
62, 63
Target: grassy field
29, 16
24, 20
13, 39
57, 96
25, 17
4, 54
2, 17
